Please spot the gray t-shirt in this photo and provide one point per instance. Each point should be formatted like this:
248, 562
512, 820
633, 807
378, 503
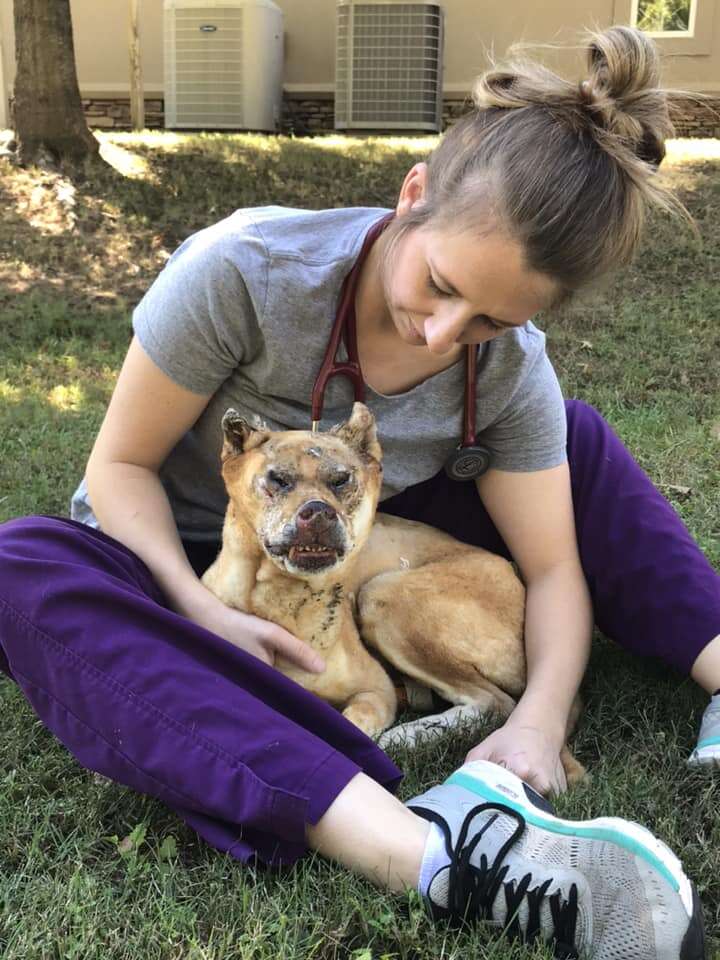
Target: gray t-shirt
243, 311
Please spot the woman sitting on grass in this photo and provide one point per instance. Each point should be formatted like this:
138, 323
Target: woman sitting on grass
151, 680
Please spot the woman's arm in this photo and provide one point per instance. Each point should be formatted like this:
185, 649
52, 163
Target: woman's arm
147, 415
533, 513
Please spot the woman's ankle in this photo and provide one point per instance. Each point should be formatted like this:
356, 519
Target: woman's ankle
706, 669
368, 830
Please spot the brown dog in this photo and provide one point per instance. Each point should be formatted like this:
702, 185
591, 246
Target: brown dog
302, 547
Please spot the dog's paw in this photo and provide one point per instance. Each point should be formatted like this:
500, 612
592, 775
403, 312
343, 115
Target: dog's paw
365, 716
575, 772
430, 727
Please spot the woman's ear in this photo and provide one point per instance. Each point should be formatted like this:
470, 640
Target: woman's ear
412, 192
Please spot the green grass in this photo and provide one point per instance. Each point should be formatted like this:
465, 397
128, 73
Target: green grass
73, 262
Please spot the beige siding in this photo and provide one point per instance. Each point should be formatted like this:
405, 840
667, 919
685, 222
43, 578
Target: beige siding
100, 29
3, 87
472, 28
7, 58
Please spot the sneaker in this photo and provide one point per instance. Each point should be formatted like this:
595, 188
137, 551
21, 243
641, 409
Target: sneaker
604, 887
707, 751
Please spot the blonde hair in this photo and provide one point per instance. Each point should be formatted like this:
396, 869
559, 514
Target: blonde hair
567, 169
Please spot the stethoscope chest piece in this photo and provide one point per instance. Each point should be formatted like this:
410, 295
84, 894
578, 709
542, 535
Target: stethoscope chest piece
470, 460
467, 463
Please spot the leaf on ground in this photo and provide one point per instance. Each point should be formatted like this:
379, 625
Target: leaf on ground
168, 848
133, 841
125, 845
678, 490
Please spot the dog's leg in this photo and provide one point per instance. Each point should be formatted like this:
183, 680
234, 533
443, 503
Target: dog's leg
372, 710
575, 772
429, 625
452, 625
431, 727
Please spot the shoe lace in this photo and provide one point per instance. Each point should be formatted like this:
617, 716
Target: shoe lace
473, 888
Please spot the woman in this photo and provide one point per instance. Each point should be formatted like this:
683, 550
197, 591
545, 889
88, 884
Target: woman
124, 653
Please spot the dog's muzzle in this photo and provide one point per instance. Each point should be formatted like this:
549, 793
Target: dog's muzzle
315, 540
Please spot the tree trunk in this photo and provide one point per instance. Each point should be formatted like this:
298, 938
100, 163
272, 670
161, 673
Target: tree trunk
49, 118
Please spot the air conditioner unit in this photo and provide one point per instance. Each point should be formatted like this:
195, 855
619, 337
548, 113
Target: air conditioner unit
388, 69
223, 64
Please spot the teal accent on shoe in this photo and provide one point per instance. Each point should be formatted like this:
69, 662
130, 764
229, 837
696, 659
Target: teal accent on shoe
710, 742
577, 830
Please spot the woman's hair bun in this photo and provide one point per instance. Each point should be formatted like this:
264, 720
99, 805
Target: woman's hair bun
623, 61
620, 100
622, 92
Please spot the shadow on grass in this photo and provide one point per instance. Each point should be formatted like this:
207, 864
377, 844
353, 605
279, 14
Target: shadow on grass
69, 250
99, 244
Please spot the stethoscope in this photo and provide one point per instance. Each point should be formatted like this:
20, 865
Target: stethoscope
467, 461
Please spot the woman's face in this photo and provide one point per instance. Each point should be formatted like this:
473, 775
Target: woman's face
445, 288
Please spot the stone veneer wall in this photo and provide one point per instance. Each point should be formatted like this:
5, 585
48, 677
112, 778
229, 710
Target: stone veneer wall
115, 113
317, 115
691, 118
697, 119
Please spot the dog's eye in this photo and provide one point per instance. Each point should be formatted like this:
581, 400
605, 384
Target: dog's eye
279, 480
339, 480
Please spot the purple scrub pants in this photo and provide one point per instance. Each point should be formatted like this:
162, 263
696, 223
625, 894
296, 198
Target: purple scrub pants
244, 755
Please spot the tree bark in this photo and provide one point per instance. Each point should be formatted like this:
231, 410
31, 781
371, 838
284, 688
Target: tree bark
49, 118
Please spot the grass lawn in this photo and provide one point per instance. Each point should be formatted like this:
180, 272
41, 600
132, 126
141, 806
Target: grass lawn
91, 870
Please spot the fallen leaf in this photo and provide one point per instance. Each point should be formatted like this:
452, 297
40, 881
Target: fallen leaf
678, 490
168, 848
126, 845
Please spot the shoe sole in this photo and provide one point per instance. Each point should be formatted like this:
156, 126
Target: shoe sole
693, 946
705, 757
497, 785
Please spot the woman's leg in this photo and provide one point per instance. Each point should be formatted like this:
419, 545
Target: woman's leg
148, 698
653, 590
144, 696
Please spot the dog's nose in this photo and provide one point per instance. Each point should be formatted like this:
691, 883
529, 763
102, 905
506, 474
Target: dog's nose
316, 514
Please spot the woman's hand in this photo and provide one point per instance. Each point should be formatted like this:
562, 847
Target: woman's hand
529, 752
261, 638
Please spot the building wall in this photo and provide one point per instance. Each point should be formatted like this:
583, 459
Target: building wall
472, 30
3, 88
7, 58
100, 31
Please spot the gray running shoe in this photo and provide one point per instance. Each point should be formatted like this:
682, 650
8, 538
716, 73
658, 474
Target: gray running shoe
707, 751
606, 888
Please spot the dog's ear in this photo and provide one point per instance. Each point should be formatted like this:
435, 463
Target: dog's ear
239, 436
360, 433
